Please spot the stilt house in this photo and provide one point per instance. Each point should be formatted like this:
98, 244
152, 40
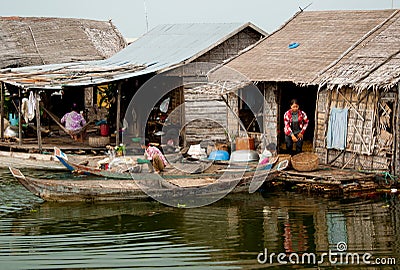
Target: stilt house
163, 48
331, 61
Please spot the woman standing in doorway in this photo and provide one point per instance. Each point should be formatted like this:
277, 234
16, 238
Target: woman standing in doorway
296, 123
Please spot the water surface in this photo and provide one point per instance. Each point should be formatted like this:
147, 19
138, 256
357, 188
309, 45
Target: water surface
228, 234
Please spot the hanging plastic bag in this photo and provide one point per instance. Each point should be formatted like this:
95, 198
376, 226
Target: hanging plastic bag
164, 105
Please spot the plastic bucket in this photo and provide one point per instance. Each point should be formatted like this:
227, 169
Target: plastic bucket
13, 120
219, 155
104, 130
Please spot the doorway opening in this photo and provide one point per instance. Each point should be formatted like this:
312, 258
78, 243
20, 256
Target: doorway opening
307, 99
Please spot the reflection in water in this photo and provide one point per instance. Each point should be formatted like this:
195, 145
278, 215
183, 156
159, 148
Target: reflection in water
226, 235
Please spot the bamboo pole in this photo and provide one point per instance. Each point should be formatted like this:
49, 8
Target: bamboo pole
19, 117
362, 139
347, 163
351, 105
264, 135
328, 104
2, 110
38, 132
337, 156
315, 137
234, 114
396, 134
117, 138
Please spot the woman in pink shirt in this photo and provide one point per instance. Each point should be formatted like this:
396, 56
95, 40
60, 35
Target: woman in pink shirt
154, 154
74, 122
296, 123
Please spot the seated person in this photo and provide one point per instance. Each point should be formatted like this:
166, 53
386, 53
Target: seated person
155, 156
74, 122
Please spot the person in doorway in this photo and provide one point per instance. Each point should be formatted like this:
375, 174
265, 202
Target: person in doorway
296, 123
155, 156
74, 122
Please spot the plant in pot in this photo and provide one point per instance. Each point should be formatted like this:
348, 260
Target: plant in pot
120, 149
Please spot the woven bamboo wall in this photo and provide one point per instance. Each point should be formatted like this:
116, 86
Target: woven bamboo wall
321, 123
365, 149
396, 124
270, 113
231, 47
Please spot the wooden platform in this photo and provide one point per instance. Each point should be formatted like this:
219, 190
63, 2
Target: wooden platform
65, 143
329, 179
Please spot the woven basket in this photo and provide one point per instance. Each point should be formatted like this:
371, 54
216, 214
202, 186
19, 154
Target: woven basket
98, 141
305, 162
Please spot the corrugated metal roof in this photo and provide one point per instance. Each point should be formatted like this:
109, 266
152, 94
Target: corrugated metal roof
162, 48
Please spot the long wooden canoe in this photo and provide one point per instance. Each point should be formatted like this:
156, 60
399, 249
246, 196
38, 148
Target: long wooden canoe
133, 189
83, 169
30, 160
173, 170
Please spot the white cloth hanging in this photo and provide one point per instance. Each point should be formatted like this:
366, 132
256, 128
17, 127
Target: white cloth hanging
337, 129
31, 106
24, 109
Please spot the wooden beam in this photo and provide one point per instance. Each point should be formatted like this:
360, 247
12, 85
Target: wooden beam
347, 163
235, 115
39, 133
19, 117
351, 105
333, 160
396, 135
117, 138
2, 110
362, 141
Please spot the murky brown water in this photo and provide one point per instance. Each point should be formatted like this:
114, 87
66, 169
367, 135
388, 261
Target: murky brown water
229, 234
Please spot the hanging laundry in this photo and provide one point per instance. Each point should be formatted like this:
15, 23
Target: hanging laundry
24, 109
337, 129
164, 105
31, 106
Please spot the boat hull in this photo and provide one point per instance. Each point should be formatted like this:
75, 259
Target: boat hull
30, 161
123, 189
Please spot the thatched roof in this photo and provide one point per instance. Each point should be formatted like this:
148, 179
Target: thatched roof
323, 37
374, 63
37, 41
163, 48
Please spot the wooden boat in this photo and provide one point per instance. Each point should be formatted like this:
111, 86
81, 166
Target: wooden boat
30, 160
88, 170
145, 185
174, 168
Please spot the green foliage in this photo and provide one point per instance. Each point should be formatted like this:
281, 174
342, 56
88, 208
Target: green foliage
108, 100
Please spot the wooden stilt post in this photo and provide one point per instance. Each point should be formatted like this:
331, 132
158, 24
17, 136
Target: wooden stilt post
117, 126
19, 117
2, 110
396, 114
37, 110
